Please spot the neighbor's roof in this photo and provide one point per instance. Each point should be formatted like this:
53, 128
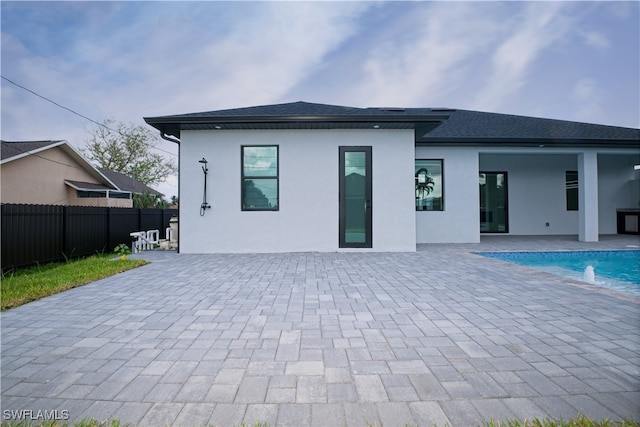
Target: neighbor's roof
127, 183
12, 150
88, 186
437, 126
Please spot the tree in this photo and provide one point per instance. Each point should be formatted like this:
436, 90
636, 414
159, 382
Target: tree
128, 149
149, 200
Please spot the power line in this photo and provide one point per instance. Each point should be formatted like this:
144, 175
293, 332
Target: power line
55, 103
55, 161
78, 114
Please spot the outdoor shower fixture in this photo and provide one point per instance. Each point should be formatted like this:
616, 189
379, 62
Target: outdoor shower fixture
204, 206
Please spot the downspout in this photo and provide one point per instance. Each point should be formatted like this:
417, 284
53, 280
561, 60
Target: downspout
170, 139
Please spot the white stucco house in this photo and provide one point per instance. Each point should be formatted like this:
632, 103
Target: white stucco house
314, 177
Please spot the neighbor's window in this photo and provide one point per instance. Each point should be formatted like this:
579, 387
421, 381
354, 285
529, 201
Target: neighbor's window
101, 194
83, 194
571, 185
260, 178
119, 195
428, 179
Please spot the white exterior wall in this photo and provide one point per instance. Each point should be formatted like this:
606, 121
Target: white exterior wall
536, 191
308, 216
617, 188
459, 222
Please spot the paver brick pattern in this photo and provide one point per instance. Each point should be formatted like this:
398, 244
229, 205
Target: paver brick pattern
437, 336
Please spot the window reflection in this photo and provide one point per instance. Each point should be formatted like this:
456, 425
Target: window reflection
260, 178
428, 185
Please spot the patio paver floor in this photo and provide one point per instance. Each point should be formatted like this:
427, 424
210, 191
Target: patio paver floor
323, 339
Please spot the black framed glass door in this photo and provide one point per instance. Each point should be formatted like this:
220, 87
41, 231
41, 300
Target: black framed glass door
355, 197
494, 213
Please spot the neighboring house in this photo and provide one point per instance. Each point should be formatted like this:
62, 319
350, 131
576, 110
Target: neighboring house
314, 177
54, 173
127, 183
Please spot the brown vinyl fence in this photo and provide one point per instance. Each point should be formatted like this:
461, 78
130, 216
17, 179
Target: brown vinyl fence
33, 234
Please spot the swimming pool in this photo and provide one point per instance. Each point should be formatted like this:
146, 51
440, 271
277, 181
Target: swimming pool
618, 270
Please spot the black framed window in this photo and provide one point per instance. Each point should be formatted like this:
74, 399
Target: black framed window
571, 185
260, 175
429, 185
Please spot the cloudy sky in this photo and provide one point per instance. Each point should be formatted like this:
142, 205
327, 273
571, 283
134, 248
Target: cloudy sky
127, 60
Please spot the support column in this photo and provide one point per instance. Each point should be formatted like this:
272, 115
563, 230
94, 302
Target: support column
588, 196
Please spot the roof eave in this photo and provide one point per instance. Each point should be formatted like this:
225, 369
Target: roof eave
528, 142
172, 125
75, 186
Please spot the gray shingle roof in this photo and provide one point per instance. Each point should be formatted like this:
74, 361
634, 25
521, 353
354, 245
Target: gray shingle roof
127, 183
432, 125
15, 148
289, 109
465, 125
297, 115
301, 108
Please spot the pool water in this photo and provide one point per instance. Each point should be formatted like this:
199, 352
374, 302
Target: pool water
613, 269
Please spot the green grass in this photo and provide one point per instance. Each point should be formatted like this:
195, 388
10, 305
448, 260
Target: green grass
30, 284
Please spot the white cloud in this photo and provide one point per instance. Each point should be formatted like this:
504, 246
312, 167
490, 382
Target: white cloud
184, 59
262, 62
588, 96
585, 89
423, 56
622, 9
255, 57
595, 39
540, 25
